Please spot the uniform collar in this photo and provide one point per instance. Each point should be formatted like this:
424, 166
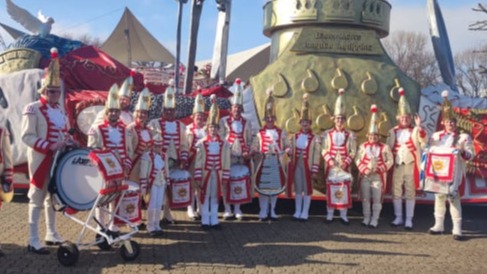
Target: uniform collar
44, 101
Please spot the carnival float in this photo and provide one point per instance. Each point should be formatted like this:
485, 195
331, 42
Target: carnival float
317, 48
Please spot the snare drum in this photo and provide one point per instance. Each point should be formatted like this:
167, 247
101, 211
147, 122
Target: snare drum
271, 178
238, 189
180, 191
339, 189
130, 206
76, 181
339, 194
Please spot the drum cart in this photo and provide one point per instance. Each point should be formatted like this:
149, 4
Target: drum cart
68, 252
87, 193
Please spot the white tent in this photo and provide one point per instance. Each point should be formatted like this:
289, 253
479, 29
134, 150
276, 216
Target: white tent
131, 41
244, 64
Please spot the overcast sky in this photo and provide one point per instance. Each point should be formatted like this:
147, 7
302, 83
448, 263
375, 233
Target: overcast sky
99, 18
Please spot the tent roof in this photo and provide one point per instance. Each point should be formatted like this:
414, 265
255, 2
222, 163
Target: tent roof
142, 45
246, 63
15, 33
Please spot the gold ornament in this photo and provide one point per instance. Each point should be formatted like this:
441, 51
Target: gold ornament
340, 80
369, 85
310, 83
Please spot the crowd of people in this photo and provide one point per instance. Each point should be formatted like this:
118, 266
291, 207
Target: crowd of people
222, 159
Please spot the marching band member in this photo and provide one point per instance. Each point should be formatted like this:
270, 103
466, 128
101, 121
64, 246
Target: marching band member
6, 165
141, 140
173, 133
45, 132
339, 147
212, 169
373, 160
406, 143
305, 147
451, 137
270, 141
155, 171
195, 132
237, 131
124, 94
112, 134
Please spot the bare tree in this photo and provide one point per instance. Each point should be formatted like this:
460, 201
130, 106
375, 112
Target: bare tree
471, 71
409, 51
479, 25
85, 39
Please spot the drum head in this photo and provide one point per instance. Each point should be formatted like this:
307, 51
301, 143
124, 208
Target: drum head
179, 175
239, 171
77, 180
133, 186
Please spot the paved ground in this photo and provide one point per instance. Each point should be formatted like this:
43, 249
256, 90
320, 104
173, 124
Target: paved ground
279, 247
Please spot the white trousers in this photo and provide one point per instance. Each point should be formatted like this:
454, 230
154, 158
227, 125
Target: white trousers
209, 207
371, 189
302, 201
39, 198
455, 212
403, 178
155, 206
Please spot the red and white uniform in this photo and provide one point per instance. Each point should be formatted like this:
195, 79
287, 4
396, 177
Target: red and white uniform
155, 171
117, 138
142, 143
376, 158
303, 166
173, 134
373, 162
6, 163
42, 126
271, 140
238, 133
194, 134
305, 162
340, 144
338, 147
212, 167
462, 142
406, 144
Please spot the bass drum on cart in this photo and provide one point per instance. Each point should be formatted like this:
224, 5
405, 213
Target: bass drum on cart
76, 181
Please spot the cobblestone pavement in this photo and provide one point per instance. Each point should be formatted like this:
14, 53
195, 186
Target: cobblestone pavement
254, 247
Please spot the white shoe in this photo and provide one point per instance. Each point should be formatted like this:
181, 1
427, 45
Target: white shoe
53, 239
397, 221
227, 215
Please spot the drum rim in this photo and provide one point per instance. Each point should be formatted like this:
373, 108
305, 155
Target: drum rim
274, 192
61, 192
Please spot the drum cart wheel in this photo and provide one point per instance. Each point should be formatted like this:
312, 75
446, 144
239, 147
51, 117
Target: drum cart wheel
67, 254
102, 243
128, 255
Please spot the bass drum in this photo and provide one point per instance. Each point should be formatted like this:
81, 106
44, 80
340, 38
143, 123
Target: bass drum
76, 181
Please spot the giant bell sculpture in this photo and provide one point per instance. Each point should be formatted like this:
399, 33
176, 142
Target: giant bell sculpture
321, 46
